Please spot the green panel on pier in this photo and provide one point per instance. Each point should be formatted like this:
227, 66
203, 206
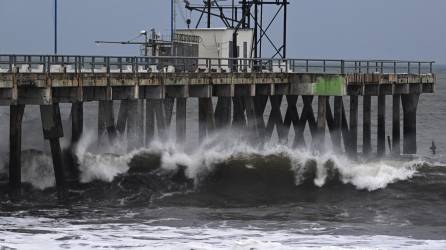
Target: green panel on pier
330, 86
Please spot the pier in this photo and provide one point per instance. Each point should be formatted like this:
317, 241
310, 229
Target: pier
153, 91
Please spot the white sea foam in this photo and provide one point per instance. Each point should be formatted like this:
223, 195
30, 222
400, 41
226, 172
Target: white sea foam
63, 233
109, 161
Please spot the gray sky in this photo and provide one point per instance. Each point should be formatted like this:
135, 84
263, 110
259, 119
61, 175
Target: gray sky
350, 29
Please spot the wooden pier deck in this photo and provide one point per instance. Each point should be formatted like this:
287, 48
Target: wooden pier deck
242, 87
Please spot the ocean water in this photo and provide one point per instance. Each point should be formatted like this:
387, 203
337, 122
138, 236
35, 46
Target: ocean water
227, 193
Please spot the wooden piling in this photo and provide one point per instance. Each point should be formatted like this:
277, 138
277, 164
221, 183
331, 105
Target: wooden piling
321, 123
381, 133
15, 145
52, 131
150, 121
337, 119
353, 137
410, 103
366, 127
181, 119
396, 126
77, 126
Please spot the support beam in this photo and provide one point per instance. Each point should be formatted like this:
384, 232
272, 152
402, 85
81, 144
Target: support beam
410, 104
52, 131
396, 125
367, 128
321, 123
353, 137
275, 119
381, 133
306, 116
15, 145
291, 115
181, 119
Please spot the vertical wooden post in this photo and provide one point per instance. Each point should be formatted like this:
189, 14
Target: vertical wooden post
181, 119
381, 133
367, 133
321, 123
396, 126
15, 145
410, 103
337, 123
150, 121
353, 147
77, 126
52, 131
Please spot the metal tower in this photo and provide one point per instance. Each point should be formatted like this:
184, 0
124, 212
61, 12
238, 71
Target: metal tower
245, 14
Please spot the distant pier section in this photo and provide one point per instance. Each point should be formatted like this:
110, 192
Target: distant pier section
242, 87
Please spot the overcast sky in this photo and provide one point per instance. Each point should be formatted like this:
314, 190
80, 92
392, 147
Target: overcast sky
350, 29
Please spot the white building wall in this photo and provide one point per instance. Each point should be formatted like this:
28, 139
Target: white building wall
215, 43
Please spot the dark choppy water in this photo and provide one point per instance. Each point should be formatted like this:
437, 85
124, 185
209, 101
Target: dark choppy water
227, 194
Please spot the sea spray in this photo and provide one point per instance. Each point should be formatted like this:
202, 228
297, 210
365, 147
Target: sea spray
108, 161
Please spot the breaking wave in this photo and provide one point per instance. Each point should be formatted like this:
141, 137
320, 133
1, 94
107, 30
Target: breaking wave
223, 161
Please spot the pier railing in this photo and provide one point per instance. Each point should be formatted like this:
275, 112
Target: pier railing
121, 64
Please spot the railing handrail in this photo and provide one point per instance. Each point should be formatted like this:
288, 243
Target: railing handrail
235, 64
